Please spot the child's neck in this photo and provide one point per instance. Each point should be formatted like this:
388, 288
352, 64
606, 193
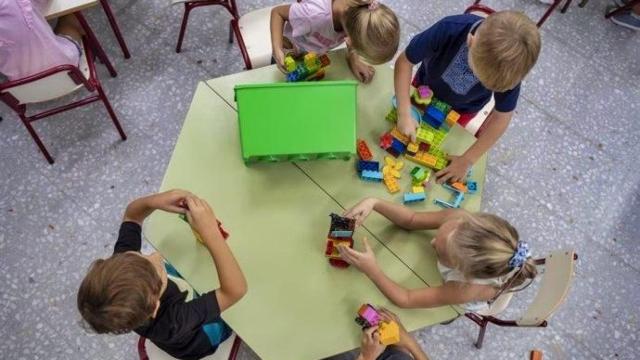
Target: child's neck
338, 8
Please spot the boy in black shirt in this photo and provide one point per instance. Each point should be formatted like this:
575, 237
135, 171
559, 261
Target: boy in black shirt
131, 292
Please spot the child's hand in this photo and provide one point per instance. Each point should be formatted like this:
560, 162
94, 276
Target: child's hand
456, 171
361, 210
171, 201
202, 218
370, 347
363, 261
278, 56
387, 315
363, 72
407, 125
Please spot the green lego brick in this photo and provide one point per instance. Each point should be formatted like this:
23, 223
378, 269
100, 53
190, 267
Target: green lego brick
441, 105
392, 116
297, 121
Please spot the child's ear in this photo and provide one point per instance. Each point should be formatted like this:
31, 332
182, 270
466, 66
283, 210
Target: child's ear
347, 41
155, 311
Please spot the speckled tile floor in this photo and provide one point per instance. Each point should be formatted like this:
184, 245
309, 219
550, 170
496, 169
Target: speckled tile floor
564, 174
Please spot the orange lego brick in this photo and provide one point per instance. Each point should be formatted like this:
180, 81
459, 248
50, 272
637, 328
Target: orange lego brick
452, 117
389, 332
363, 150
459, 186
400, 136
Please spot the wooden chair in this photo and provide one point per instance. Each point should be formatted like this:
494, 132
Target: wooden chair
54, 83
556, 279
479, 7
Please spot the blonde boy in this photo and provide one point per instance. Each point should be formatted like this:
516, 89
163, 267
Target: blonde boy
465, 59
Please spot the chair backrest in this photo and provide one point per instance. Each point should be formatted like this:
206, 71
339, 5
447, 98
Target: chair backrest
558, 273
44, 86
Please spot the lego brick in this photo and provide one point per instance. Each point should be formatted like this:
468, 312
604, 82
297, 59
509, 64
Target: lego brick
399, 136
368, 165
459, 186
432, 121
413, 197
417, 189
389, 332
452, 117
440, 105
392, 184
363, 150
386, 140
223, 232
423, 159
424, 136
472, 187
424, 92
289, 63
412, 148
436, 114
421, 96
392, 116
371, 175
458, 200
397, 147
424, 147
368, 316
341, 234
341, 223
331, 250
310, 67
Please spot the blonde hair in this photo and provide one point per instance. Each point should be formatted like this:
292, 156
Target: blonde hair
482, 245
505, 48
119, 294
373, 28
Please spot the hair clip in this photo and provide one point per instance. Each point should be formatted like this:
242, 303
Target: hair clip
520, 255
374, 5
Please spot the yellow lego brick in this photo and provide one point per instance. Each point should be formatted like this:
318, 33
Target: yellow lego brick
389, 332
395, 173
417, 189
386, 170
335, 254
400, 136
424, 135
289, 63
452, 117
399, 165
392, 184
412, 147
388, 160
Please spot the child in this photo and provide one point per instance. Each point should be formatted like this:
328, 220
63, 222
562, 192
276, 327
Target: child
27, 43
465, 59
368, 28
479, 256
407, 349
131, 292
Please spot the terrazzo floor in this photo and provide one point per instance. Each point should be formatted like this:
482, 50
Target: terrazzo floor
565, 174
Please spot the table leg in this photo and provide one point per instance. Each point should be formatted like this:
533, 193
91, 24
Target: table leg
114, 26
93, 42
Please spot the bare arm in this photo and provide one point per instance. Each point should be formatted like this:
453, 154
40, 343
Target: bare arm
233, 285
140, 208
402, 86
497, 123
412, 220
279, 15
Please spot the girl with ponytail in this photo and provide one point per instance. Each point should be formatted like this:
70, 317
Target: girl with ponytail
480, 256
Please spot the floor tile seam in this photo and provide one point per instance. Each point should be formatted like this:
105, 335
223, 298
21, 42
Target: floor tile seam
558, 214
554, 120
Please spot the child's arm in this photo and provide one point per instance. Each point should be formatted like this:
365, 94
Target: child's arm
363, 72
400, 215
448, 294
233, 285
497, 123
279, 15
402, 85
140, 208
407, 342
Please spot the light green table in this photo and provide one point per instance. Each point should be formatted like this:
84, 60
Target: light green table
339, 179
298, 306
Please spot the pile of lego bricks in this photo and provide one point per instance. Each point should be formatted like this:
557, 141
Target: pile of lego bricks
310, 67
435, 119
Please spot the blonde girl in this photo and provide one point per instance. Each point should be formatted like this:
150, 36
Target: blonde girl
370, 30
479, 255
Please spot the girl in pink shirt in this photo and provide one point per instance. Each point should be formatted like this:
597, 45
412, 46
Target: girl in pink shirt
369, 29
27, 43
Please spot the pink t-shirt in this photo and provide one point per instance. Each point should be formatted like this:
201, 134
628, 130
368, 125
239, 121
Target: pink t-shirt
310, 26
27, 43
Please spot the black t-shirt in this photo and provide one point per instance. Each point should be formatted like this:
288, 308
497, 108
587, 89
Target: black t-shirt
179, 326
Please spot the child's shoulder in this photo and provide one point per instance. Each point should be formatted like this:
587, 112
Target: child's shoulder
459, 20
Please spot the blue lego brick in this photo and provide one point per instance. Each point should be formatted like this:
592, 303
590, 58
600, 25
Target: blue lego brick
443, 203
472, 187
436, 114
431, 121
368, 165
458, 200
371, 175
398, 146
341, 234
413, 197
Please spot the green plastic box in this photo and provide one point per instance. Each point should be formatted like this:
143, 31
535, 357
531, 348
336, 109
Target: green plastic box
297, 121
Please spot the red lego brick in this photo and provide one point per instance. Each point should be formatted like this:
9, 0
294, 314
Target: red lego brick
386, 140
363, 150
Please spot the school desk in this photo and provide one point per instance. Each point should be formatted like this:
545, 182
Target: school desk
297, 306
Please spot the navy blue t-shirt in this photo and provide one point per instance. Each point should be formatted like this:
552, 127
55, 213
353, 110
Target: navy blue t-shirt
443, 51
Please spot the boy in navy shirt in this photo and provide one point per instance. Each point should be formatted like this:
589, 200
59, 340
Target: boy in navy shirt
465, 59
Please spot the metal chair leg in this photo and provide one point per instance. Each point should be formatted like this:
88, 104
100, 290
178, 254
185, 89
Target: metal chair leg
114, 26
36, 138
183, 27
483, 328
112, 114
230, 32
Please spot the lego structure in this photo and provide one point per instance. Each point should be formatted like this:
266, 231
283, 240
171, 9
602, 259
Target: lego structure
310, 67
340, 233
389, 331
225, 234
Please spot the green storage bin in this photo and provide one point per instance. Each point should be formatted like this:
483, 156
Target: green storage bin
297, 121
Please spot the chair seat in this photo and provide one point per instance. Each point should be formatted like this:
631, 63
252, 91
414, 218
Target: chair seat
50, 87
256, 33
155, 353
